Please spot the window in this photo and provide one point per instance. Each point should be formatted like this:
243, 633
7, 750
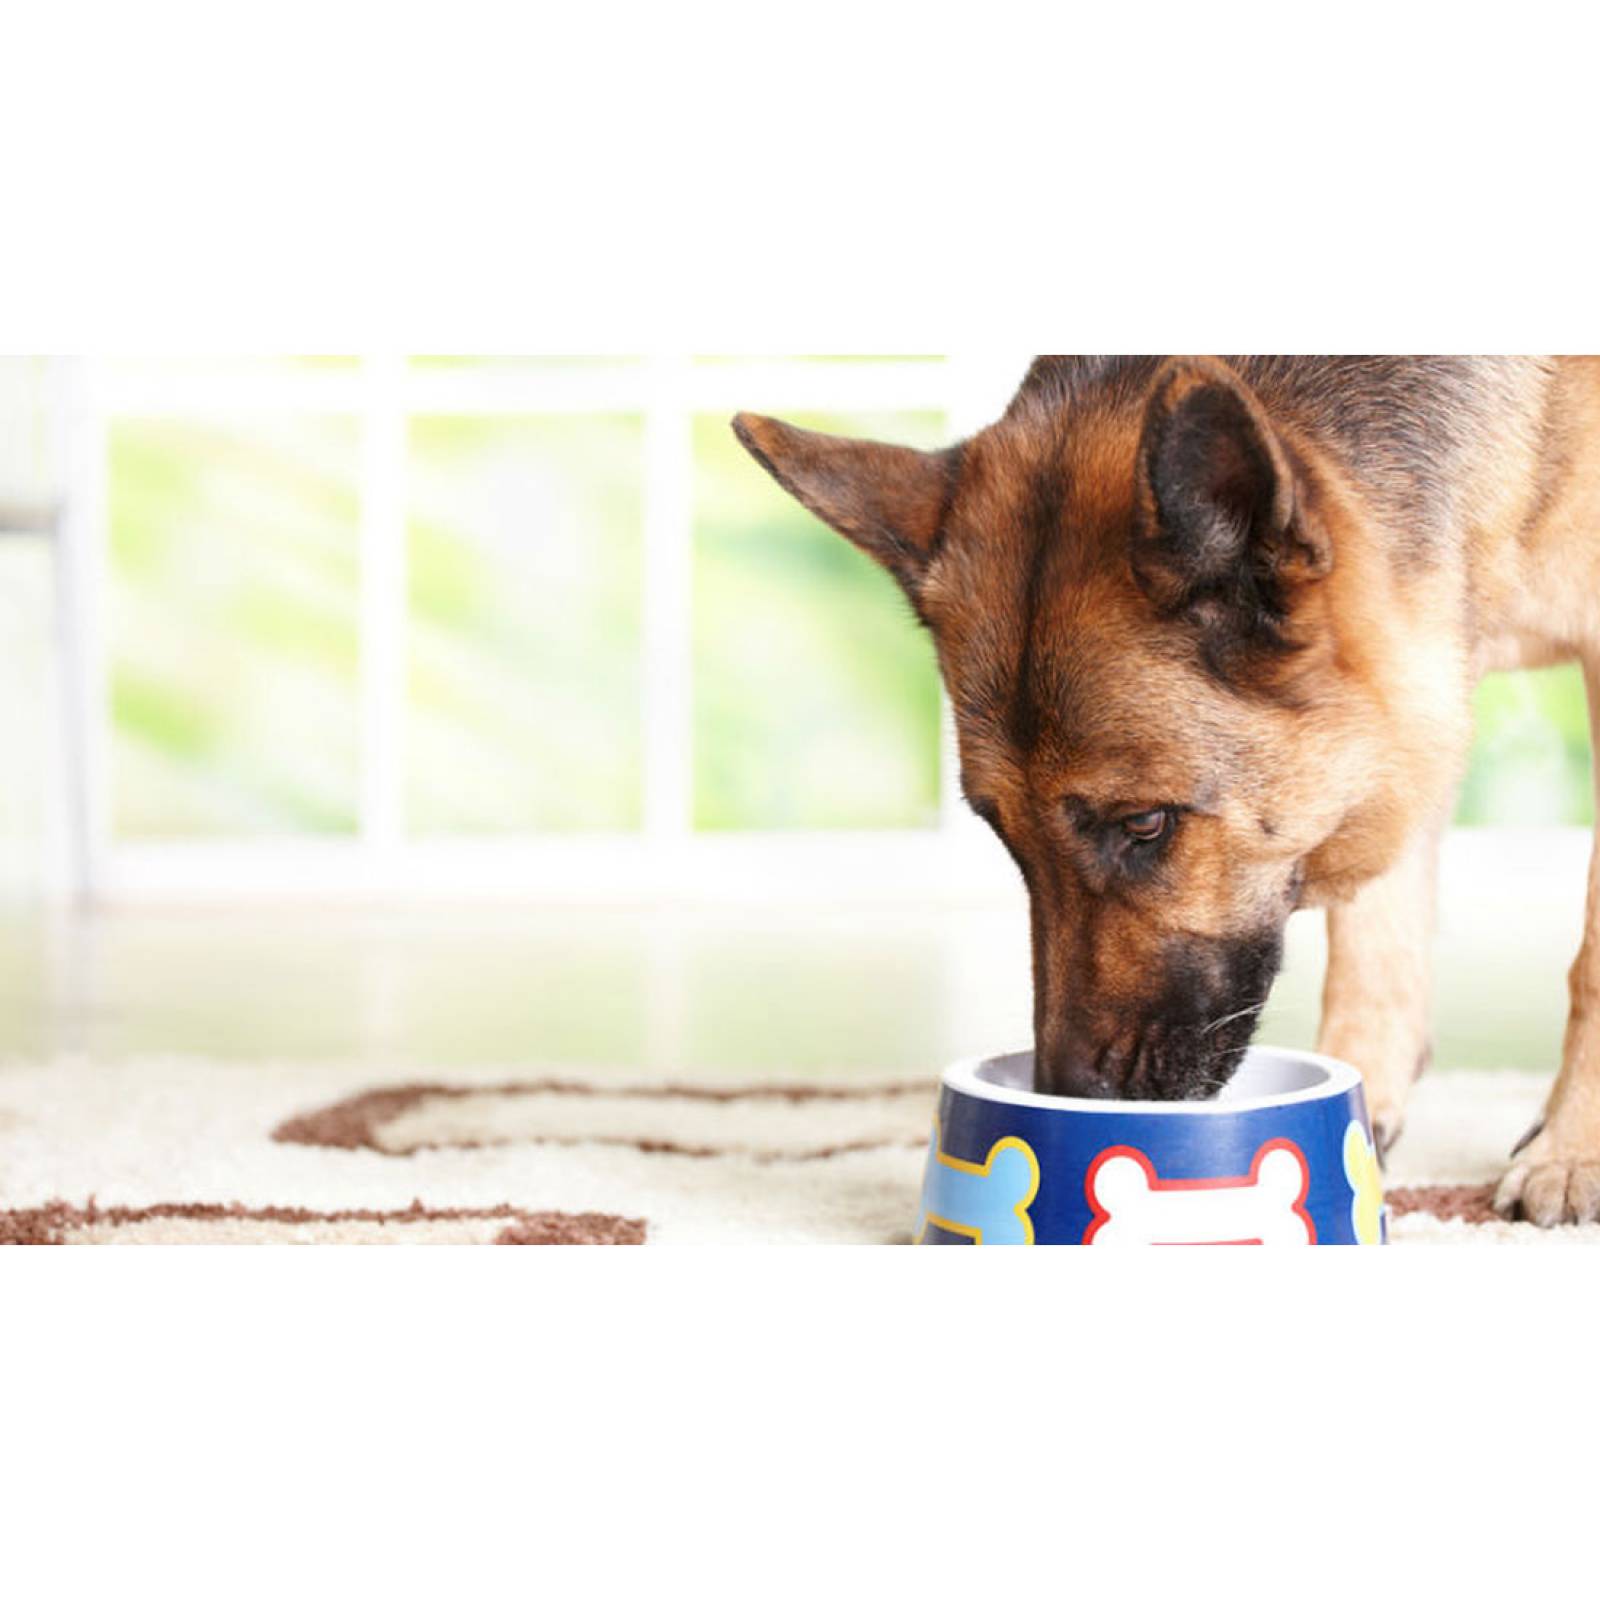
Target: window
234, 576
391, 620
524, 611
1531, 761
529, 622
816, 698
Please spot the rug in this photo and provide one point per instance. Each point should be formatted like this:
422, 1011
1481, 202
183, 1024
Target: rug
172, 1151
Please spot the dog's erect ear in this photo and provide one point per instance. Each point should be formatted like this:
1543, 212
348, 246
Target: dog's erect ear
889, 500
1224, 530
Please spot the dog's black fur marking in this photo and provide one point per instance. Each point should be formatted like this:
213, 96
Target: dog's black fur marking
1215, 484
1403, 425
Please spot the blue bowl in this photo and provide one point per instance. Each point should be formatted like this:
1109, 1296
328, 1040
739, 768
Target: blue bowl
1283, 1155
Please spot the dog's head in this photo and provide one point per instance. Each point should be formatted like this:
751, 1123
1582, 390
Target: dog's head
1160, 710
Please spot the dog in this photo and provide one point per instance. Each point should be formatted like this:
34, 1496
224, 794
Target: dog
1210, 629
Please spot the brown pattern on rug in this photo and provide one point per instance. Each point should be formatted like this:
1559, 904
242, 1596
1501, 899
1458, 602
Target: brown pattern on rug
1449, 1202
669, 1119
59, 1223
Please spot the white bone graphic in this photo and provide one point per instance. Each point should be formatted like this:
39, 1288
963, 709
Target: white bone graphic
1266, 1206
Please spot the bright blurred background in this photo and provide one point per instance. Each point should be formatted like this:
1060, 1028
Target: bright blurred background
491, 706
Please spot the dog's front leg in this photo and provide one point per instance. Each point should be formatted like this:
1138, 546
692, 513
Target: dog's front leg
1378, 993
1555, 1171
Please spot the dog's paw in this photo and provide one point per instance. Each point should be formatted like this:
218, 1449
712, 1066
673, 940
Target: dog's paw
1389, 1059
1549, 1183
1388, 1123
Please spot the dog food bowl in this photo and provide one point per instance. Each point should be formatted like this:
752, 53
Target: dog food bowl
1283, 1155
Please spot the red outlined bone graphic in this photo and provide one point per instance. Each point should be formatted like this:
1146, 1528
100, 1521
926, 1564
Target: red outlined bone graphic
1267, 1205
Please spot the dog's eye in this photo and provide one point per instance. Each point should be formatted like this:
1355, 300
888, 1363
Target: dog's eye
1146, 827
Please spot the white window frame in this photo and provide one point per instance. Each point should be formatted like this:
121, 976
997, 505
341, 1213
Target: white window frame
667, 857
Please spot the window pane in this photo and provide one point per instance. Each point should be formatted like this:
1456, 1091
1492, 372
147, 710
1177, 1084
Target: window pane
816, 701
1530, 764
525, 612
233, 616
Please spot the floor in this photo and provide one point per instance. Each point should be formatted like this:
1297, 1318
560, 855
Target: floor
729, 993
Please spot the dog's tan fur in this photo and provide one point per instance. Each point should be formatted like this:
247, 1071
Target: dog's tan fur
1251, 596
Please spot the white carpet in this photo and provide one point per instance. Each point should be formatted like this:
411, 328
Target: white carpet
406, 1160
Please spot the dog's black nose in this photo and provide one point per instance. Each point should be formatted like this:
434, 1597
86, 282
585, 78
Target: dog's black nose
1076, 1065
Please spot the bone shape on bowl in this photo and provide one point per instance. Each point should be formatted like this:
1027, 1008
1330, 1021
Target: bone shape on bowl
1266, 1206
987, 1202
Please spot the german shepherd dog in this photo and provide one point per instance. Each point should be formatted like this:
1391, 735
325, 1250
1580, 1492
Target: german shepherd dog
1210, 628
